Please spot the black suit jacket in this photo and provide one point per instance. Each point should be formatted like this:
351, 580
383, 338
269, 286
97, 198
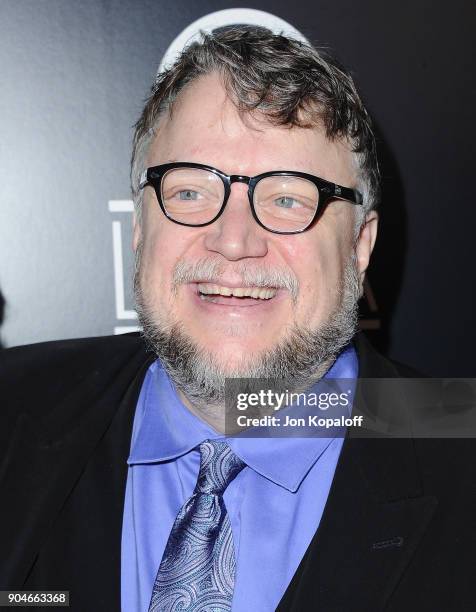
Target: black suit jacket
397, 533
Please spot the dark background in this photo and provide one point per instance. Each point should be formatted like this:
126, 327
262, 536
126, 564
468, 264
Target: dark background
72, 81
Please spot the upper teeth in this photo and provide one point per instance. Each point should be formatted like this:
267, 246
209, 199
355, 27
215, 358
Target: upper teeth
254, 292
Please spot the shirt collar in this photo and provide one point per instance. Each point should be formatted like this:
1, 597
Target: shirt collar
165, 429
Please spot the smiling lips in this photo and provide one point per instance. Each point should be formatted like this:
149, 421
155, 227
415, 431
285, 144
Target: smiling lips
208, 291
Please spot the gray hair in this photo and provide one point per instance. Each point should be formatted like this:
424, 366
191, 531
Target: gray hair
288, 82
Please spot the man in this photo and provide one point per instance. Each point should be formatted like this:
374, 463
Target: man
255, 182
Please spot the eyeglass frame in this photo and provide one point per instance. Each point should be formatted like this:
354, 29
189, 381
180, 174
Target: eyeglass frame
326, 190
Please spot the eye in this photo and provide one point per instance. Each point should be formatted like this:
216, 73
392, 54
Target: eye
286, 202
188, 195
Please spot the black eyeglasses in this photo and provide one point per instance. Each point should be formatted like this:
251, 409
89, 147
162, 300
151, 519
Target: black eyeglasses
283, 202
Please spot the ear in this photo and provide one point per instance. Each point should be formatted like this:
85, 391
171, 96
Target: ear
136, 231
365, 244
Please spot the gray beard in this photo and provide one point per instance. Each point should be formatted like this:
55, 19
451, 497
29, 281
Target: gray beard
300, 359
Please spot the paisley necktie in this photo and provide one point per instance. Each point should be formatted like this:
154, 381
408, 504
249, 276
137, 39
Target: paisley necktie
197, 571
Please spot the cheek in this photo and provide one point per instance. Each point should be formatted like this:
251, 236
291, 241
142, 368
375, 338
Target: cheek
319, 265
160, 251
164, 244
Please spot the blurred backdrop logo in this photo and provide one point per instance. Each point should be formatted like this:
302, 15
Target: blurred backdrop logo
220, 19
122, 210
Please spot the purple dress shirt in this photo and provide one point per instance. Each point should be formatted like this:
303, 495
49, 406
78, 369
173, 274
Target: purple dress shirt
275, 504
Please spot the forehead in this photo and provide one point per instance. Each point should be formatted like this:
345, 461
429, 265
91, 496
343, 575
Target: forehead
206, 127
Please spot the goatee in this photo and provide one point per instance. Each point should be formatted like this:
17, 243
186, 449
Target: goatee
301, 358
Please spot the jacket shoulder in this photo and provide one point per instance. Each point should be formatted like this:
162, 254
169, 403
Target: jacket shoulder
61, 355
35, 377
373, 364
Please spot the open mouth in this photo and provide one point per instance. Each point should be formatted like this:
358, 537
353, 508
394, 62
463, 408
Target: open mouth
235, 296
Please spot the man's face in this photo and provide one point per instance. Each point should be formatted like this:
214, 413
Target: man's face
206, 128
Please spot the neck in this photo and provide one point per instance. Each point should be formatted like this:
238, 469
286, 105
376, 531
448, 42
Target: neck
213, 415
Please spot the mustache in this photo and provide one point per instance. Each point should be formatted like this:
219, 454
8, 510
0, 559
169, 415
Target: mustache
213, 271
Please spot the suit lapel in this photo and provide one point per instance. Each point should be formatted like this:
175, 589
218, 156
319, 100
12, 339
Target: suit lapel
372, 524
364, 542
51, 456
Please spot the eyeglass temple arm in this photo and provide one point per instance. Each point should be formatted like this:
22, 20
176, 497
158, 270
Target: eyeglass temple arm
345, 193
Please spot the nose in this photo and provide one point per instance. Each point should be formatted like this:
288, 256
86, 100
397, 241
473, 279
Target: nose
235, 234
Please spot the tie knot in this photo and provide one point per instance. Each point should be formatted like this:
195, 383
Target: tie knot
218, 466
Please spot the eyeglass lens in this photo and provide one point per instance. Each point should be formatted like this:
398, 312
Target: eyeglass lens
282, 203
